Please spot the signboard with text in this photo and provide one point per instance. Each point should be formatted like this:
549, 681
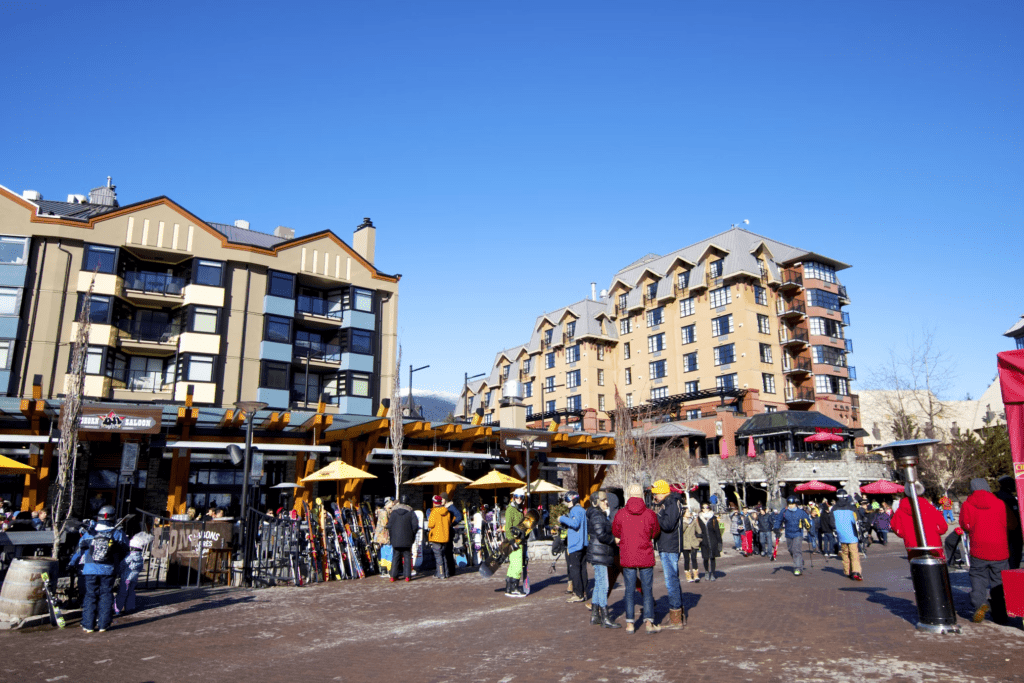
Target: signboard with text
98, 417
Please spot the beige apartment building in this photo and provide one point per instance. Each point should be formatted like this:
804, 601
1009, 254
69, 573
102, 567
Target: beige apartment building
734, 325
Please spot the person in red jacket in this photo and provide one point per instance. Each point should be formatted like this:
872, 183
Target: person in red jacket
983, 518
635, 527
902, 523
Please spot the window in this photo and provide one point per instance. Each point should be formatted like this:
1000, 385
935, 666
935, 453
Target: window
13, 250
600, 402
725, 354
362, 342
622, 303
726, 381
572, 353
99, 309
763, 269
826, 327
200, 369
825, 384
771, 409
527, 389
629, 375
360, 385
574, 402
828, 355
683, 279
1020, 342
656, 342
5, 354
570, 329
766, 353
504, 371
549, 383
768, 382
658, 369
572, 379
693, 414
487, 399
549, 360
655, 316
686, 307
145, 374
208, 273
362, 300
690, 362
763, 326
100, 259
281, 284
549, 406
721, 325
277, 329
625, 351
626, 325
94, 360
716, 268
819, 271
689, 333
760, 294
652, 291
488, 418
526, 366
823, 299
600, 378
548, 335
600, 352
691, 387
629, 400
721, 297
205, 319
9, 300
659, 392
529, 411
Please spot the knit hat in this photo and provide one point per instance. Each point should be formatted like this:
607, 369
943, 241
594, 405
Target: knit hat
438, 500
875, 505
660, 487
634, 491
979, 484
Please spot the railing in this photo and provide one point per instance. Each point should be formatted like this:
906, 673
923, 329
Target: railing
849, 346
791, 278
317, 306
787, 336
784, 307
799, 395
299, 395
853, 371
139, 330
144, 380
842, 293
154, 283
328, 353
795, 364
846, 318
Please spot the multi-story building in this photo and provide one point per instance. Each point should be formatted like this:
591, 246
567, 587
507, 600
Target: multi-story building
736, 317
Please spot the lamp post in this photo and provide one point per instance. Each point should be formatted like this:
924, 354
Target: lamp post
250, 409
411, 406
465, 392
929, 574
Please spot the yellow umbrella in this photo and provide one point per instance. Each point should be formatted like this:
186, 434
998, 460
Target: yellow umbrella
495, 480
9, 466
541, 486
339, 470
439, 475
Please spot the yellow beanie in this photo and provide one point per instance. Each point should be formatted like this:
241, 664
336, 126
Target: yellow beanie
660, 486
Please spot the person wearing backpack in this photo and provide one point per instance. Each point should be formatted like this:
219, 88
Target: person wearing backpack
101, 549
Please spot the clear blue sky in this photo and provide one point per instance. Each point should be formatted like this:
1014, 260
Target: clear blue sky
512, 152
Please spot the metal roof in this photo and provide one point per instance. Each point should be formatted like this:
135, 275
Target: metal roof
49, 207
1017, 330
243, 236
788, 420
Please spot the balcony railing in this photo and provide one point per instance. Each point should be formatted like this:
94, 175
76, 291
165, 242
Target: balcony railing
853, 372
846, 318
154, 283
842, 294
298, 395
794, 307
144, 380
795, 364
794, 336
799, 395
849, 346
139, 330
316, 306
327, 353
791, 279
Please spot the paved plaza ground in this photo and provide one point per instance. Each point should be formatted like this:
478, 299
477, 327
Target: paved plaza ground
758, 622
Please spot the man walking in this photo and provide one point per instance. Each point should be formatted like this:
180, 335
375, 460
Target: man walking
843, 521
668, 507
983, 518
576, 546
790, 520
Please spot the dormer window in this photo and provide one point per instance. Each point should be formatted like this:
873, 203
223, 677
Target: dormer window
717, 268
547, 336
570, 328
683, 279
622, 302
652, 290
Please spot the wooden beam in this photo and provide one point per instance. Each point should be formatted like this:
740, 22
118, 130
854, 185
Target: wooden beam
225, 420
469, 433
413, 427
354, 432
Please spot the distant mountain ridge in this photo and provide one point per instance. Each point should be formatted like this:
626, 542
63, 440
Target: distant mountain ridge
435, 405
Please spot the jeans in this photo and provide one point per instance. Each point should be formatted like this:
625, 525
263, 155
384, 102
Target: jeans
401, 556
575, 561
948, 514
670, 566
629, 575
883, 536
442, 567
766, 542
796, 550
98, 606
736, 541
600, 585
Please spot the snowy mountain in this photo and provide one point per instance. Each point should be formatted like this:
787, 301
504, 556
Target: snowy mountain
435, 405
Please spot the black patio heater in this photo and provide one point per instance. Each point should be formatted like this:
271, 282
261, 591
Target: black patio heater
927, 571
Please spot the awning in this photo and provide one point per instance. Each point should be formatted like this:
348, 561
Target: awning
459, 455
213, 445
806, 421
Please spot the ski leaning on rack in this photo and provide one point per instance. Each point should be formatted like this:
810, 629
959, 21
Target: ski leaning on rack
367, 517
56, 616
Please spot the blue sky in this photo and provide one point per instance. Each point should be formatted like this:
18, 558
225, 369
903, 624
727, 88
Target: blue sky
511, 153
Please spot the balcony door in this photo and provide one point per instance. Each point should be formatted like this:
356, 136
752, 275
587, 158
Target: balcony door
145, 374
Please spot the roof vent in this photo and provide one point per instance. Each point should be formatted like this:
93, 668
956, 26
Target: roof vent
244, 225
284, 233
104, 196
31, 195
76, 199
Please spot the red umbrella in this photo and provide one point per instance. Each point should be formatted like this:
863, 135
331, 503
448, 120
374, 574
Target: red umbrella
814, 485
822, 437
725, 449
882, 486
751, 450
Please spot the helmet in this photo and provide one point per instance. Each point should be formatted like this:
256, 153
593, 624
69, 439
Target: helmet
519, 492
570, 497
106, 513
791, 500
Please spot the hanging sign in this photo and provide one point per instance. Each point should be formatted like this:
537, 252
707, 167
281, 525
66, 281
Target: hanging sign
98, 417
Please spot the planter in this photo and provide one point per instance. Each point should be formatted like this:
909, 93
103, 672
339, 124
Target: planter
22, 594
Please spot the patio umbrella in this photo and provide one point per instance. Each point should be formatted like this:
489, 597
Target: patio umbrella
339, 470
287, 485
882, 486
814, 485
439, 475
10, 466
751, 449
541, 486
725, 449
495, 480
824, 437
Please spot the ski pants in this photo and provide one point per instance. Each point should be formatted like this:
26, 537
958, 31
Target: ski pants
400, 556
796, 551
515, 564
442, 567
985, 575
98, 606
851, 558
577, 562
748, 542
766, 543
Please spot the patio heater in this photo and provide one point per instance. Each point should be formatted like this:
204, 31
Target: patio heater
929, 573
250, 408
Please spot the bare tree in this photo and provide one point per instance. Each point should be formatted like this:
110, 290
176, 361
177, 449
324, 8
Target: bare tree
70, 415
675, 464
397, 426
771, 462
628, 469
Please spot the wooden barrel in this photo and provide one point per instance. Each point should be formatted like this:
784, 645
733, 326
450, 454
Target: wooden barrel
21, 595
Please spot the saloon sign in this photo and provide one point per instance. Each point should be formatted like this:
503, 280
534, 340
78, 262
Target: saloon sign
107, 418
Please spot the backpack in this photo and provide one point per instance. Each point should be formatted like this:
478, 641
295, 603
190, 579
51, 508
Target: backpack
103, 547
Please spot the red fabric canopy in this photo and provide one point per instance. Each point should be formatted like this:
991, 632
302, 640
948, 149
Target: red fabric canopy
814, 485
1011, 382
882, 486
823, 437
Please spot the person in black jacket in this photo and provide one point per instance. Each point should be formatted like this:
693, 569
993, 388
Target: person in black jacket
402, 525
710, 539
602, 553
765, 522
668, 505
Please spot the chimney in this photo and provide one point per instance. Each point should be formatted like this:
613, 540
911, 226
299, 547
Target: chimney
244, 225
31, 195
364, 241
104, 196
511, 411
593, 291
284, 233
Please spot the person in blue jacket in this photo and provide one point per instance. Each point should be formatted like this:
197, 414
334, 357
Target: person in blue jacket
795, 521
102, 547
576, 546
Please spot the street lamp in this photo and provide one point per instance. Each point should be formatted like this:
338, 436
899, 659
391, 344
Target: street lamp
250, 408
465, 393
411, 406
929, 574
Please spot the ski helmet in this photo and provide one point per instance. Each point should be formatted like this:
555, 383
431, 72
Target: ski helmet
791, 500
106, 513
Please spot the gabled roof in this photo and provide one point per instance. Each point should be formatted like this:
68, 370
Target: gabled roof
238, 235
1017, 330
